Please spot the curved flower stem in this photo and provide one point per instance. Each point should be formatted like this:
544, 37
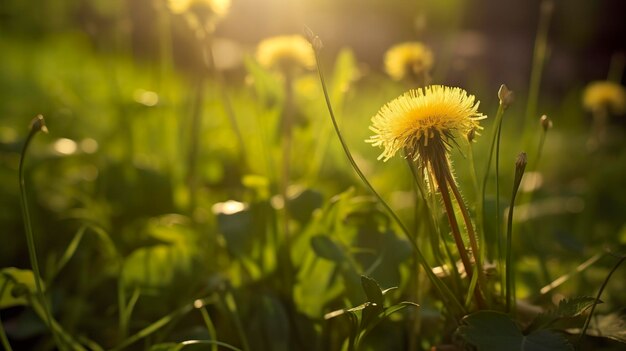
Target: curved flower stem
595, 303
209, 326
37, 124
441, 287
483, 188
497, 170
470, 232
520, 165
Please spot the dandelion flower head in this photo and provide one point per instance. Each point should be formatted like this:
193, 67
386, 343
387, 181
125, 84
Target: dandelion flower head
408, 59
605, 95
287, 53
421, 122
217, 8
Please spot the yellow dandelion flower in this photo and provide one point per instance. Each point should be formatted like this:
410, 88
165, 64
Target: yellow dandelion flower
287, 53
603, 95
408, 59
421, 121
218, 8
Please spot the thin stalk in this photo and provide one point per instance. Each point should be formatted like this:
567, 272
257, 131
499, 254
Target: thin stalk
483, 188
458, 240
539, 58
520, 165
209, 326
562, 279
3, 335
231, 305
497, 214
595, 303
37, 124
434, 238
441, 287
546, 124
482, 280
121, 307
152, 328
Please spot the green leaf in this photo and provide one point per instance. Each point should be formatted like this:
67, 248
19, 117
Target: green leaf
157, 267
10, 278
372, 290
496, 331
326, 248
567, 311
398, 307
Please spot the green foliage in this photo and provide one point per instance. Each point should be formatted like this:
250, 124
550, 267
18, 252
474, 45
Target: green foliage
15, 285
495, 331
564, 314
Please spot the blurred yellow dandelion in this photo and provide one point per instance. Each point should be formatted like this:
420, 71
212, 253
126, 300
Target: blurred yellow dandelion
421, 121
218, 8
408, 59
287, 53
605, 95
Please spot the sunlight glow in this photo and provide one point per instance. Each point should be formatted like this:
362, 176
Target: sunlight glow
65, 146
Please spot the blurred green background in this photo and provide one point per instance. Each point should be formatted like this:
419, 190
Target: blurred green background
143, 155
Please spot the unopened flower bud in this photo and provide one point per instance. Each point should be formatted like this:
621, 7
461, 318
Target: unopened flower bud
38, 124
546, 122
520, 166
315, 40
505, 95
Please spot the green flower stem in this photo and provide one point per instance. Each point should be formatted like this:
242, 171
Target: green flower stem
595, 303
481, 207
209, 326
482, 280
441, 287
37, 124
434, 239
3, 335
520, 165
456, 234
528, 199
497, 214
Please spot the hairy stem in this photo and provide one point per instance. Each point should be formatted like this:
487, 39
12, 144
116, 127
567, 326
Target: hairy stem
441, 287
